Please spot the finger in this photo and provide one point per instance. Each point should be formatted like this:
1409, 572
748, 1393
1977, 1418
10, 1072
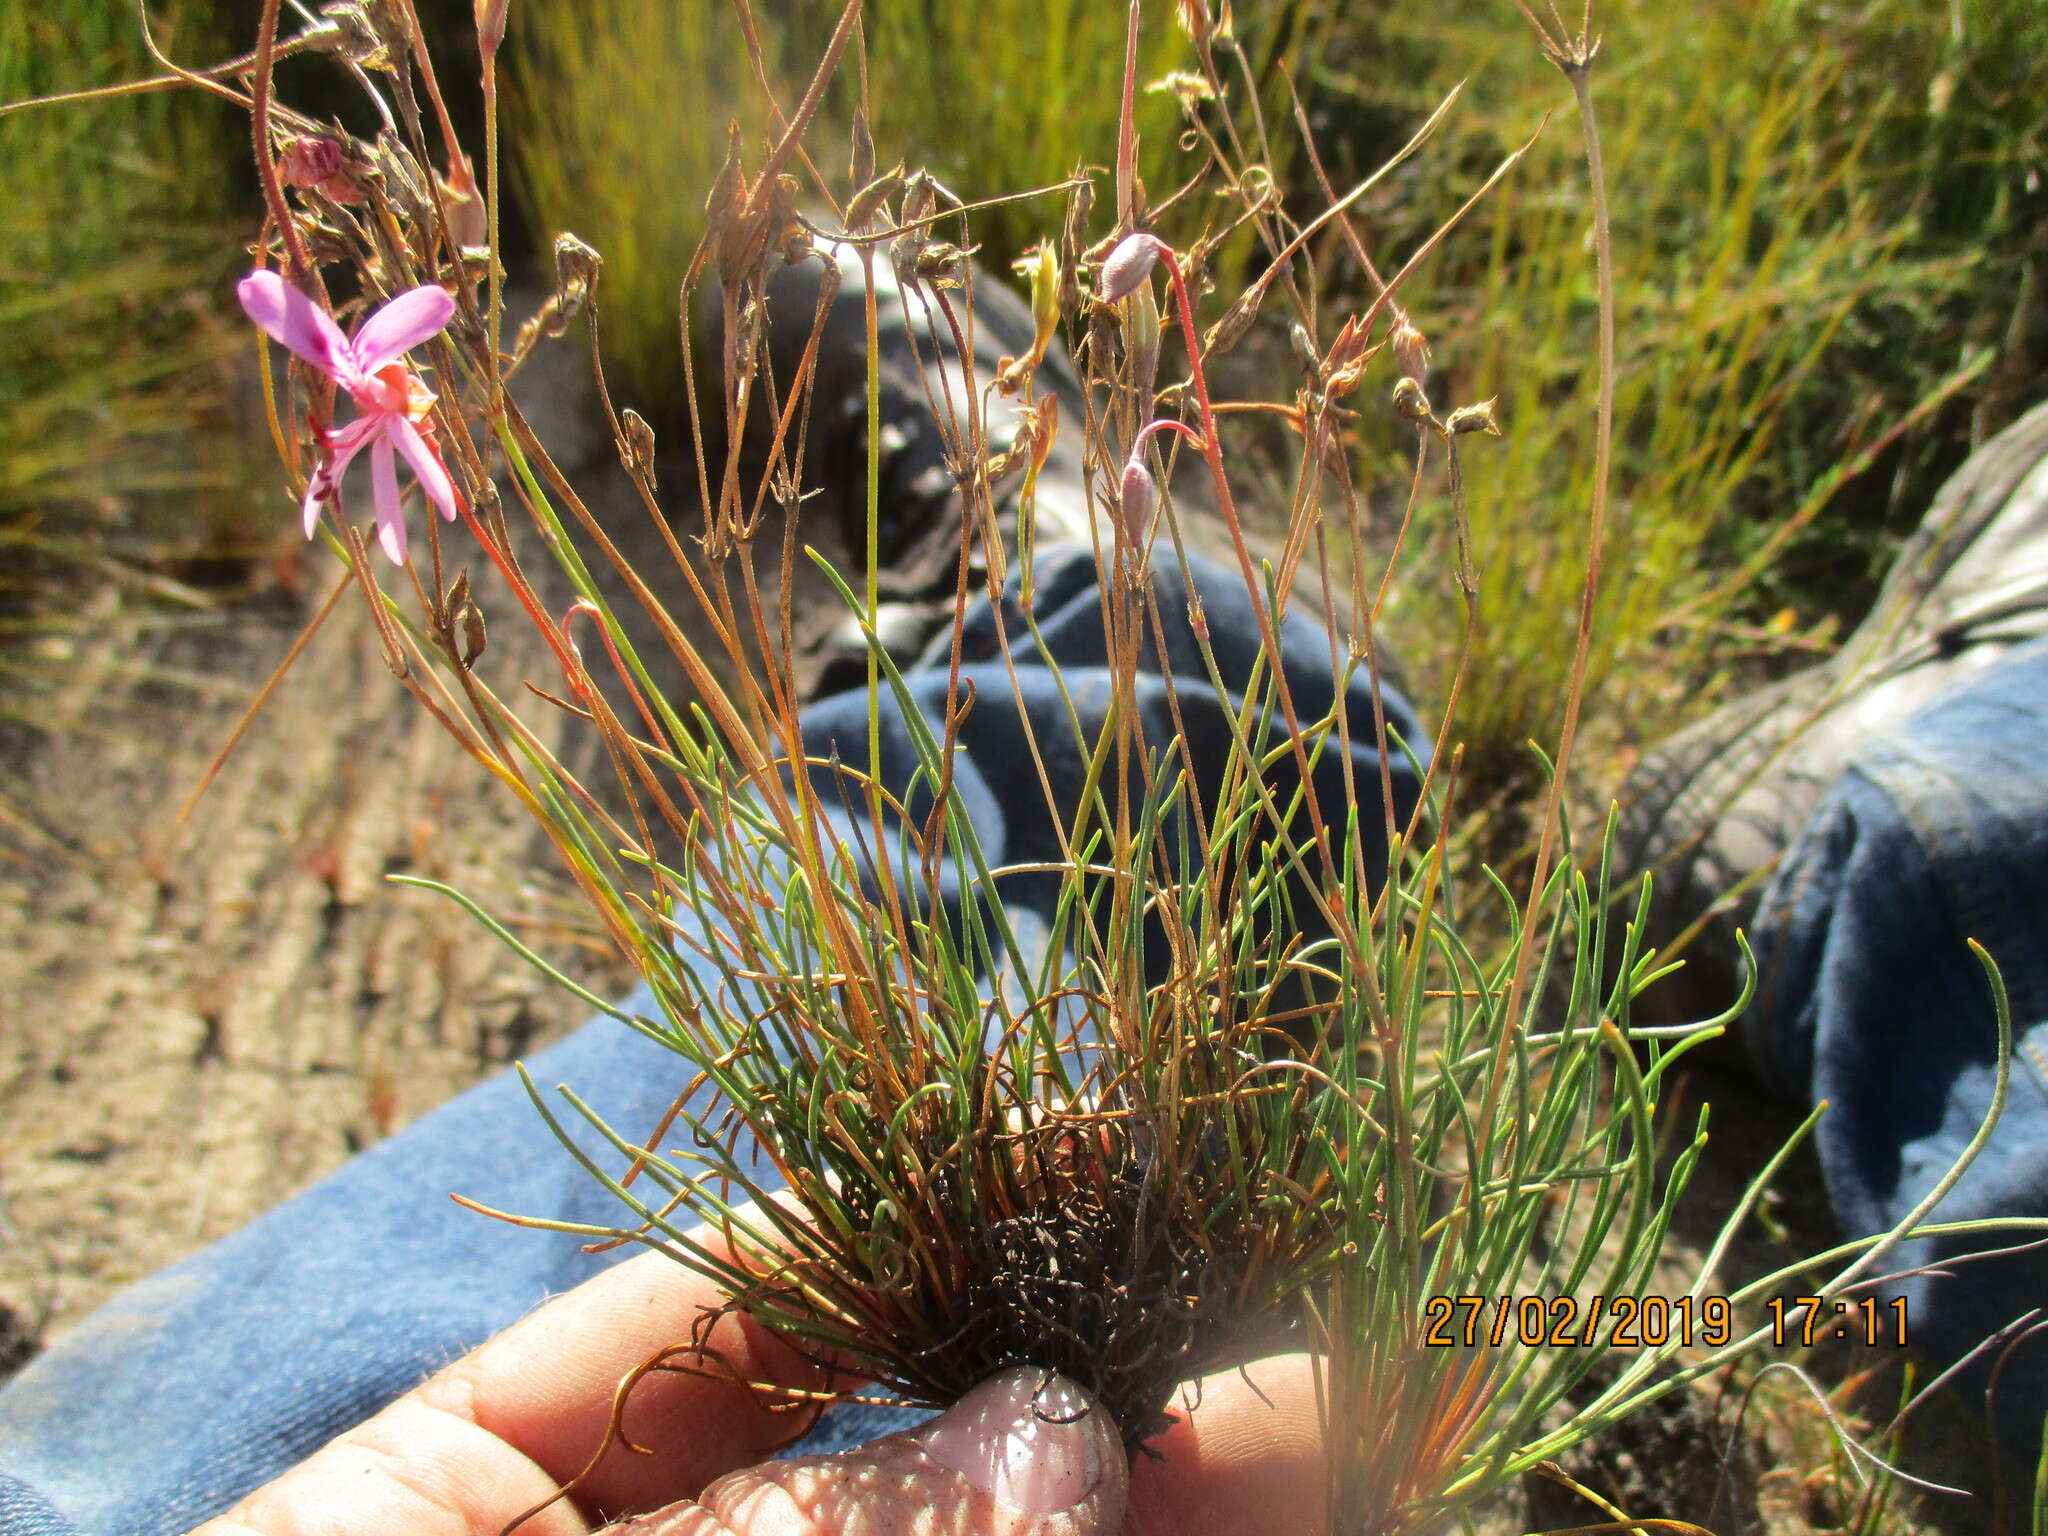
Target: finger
1025, 1453
1248, 1458
504, 1427
547, 1387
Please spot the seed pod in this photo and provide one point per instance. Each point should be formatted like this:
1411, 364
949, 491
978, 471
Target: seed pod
457, 598
1141, 340
941, 261
1475, 418
636, 444
576, 262
868, 201
474, 638
1237, 319
861, 163
1080, 203
1304, 347
920, 197
1348, 347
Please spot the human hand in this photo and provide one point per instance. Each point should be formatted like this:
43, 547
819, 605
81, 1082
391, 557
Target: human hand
503, 1428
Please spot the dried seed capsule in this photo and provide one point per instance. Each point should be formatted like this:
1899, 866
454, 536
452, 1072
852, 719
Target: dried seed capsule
1475, 418
636, 443
1411, 352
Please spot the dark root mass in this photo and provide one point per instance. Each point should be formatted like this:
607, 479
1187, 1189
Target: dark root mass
1114, 1267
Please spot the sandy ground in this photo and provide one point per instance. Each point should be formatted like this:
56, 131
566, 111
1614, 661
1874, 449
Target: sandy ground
202, 1017
199, 1018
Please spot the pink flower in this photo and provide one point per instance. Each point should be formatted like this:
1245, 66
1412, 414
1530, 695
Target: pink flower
316, 161
393, 401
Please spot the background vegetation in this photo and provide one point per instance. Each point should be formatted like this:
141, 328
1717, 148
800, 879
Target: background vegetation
1829, 246
120, 426
1831, 239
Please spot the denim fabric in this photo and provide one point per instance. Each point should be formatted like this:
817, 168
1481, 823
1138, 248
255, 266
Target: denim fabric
1869, 1000
195, 1386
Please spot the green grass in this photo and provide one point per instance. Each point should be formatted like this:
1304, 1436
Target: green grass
114, 258
1825, 253
1822, 226
991, 99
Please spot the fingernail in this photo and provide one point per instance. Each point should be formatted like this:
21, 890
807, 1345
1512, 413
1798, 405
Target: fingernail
1031, 1439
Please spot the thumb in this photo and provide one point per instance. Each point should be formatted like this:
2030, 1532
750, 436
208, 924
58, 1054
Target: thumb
1026, 1453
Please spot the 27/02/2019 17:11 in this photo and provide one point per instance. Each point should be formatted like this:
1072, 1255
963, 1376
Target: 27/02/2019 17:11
1639, 1322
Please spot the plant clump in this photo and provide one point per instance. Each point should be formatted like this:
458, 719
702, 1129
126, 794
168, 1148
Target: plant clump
1228, 1051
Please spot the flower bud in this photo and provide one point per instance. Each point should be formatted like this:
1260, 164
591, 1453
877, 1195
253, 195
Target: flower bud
1138, 494
309, 160
1411, 402
468, 220
1129, 265
315, 162
1045, 298
490, 25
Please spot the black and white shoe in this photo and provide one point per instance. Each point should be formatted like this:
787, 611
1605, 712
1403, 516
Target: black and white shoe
926, 398
1710, 813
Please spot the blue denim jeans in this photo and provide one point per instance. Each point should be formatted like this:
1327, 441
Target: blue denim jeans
196, 1386
1869, 999
193, 1387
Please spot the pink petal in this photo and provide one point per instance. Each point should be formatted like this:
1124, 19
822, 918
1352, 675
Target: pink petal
390, 507
317, 492
286, 315
349, 440
426, 464
401, 325
342, 447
